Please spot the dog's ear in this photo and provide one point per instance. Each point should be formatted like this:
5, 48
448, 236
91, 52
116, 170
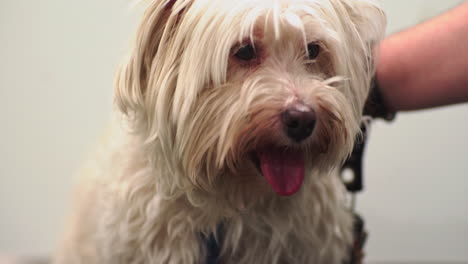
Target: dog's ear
370, 22
364, 24
369, 19
137, 72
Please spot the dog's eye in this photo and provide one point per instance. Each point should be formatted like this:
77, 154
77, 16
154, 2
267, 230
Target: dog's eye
313, 49
246, 53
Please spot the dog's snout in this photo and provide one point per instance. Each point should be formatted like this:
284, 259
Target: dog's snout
298, 123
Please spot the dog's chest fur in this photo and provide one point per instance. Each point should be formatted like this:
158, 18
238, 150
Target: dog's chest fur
278, 236
142, 227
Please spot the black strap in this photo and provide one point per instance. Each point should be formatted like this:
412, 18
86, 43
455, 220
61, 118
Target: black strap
376, 108
355, 163
356, 252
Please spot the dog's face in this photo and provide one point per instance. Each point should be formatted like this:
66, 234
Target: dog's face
237, 89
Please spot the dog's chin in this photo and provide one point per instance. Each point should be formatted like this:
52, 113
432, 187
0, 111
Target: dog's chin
283, 167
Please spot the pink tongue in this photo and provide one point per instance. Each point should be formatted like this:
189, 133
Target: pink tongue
284, 169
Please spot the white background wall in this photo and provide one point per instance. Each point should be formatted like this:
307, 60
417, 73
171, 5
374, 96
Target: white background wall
57, 62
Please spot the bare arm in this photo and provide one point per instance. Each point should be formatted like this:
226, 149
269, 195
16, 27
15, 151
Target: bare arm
427, 65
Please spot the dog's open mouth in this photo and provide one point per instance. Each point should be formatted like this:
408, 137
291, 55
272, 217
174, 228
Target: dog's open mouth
283, 168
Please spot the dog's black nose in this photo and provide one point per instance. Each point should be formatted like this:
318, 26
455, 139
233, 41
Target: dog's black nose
298, 123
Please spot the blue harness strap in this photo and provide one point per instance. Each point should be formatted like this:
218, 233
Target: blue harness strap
213, 245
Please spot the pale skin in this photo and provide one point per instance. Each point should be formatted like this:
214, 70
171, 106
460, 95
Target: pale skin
426, 66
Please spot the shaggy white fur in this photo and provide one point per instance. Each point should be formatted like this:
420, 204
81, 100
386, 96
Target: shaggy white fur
181, 156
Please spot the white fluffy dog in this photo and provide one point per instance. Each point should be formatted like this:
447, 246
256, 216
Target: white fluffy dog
238, 114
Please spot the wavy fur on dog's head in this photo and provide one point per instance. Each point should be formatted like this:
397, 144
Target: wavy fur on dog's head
203, 113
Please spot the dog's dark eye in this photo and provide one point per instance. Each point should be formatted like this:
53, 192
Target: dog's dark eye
246, 53
313, 49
